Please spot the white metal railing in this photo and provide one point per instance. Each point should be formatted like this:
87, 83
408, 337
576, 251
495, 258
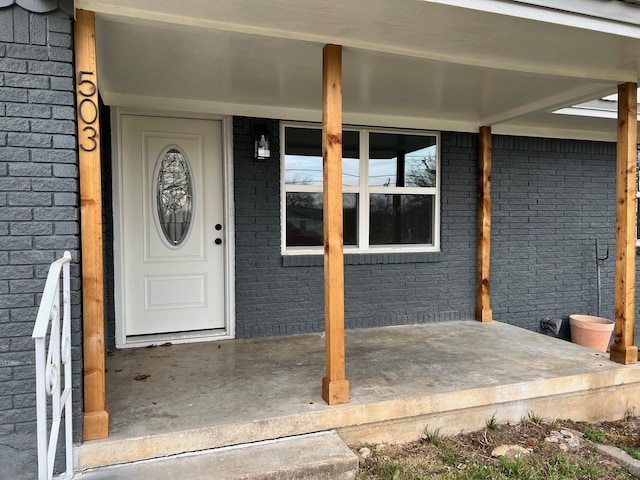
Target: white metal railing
49, 364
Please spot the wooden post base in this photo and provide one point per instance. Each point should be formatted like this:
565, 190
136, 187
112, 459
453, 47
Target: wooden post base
484, 315
95, 425
624, 355
336, 392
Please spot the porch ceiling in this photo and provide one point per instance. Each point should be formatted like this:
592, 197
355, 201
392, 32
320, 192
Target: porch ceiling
409, 63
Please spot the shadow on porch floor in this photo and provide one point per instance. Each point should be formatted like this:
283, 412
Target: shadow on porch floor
451, 375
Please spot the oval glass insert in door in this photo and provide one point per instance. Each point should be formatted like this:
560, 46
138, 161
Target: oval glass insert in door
174, 196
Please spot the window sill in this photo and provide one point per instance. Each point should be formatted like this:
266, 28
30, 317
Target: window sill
364, 259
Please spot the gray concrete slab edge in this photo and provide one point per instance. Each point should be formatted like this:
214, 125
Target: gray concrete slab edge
623, 459
322, 456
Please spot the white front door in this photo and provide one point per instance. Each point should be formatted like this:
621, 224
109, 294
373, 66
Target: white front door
172, 225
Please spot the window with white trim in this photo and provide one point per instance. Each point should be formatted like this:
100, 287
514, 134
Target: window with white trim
391, 190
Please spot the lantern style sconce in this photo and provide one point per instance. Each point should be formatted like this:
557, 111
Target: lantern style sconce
262, 143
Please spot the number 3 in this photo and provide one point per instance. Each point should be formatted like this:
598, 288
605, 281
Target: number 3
91, 137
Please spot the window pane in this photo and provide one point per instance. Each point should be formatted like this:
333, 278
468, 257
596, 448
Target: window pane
397, 160
303, 157
304, 219
350, 219
401, 219
174, 196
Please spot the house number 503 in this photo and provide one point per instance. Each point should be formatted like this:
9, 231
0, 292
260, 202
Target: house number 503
88, 110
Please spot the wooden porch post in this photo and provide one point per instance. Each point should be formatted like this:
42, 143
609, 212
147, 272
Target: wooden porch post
483, 297
335, 388
623, 349
96, 416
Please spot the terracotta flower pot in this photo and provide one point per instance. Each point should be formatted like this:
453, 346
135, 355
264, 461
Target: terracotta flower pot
590, 331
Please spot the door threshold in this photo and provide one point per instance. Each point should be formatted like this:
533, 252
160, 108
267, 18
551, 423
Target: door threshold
135, 341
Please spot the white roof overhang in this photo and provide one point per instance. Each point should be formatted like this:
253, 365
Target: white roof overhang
408, 63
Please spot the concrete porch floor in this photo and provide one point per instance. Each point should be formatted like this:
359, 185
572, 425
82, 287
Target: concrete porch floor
451, 376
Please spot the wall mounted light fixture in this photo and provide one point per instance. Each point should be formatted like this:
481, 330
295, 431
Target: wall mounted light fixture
262, 143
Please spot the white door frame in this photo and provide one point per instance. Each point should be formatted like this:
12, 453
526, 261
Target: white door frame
229, 330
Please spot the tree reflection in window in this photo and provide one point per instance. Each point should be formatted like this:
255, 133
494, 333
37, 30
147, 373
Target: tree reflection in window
174, 196
422, 172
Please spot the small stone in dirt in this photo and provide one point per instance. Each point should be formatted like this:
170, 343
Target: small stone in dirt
511, 451
551, 439
555, 433
566, 433
573, 442
365, 452
563, 447
532, 442
361, 460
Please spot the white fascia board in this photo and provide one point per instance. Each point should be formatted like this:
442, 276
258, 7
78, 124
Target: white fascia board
587, 112
605, 107
614, 97
548, 15
619, 11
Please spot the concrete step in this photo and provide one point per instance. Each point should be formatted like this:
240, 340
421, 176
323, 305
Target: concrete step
321, 456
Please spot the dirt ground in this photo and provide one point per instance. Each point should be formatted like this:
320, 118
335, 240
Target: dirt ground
543, 439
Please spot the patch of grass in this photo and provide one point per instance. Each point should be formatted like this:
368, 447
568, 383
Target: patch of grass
388, 470
476, 471
626, 475
466, 456
449, 455
524, 468
589, 470
634, 452
594, 434
561, 467
491, 423
516, 468
533, 418
432, 436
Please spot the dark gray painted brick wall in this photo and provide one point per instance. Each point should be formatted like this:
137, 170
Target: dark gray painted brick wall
38, 210
280, 295
551, 200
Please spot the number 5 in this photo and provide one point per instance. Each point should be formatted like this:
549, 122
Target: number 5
83, 80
